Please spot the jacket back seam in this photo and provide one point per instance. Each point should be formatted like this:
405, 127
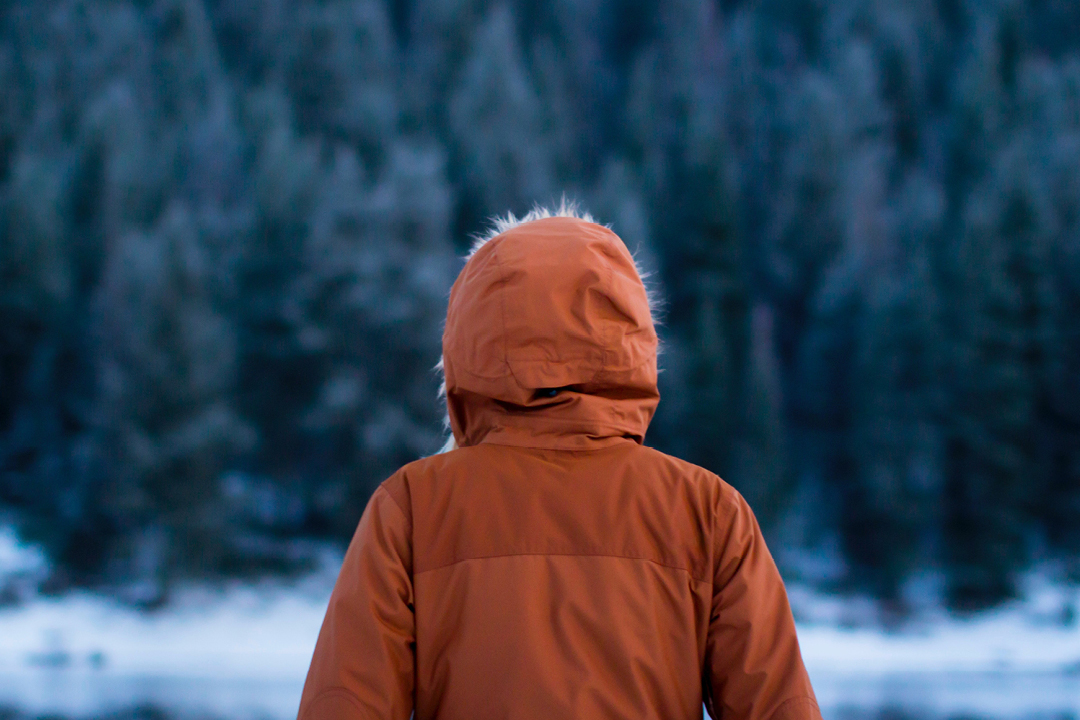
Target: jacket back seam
557, 554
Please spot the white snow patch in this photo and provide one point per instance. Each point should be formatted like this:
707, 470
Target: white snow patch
16, 557
237, 654
243, 633
999, 643
1040, 634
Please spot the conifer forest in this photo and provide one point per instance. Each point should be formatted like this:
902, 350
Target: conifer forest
228, 229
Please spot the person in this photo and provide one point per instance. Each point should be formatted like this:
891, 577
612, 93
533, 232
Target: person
549, 564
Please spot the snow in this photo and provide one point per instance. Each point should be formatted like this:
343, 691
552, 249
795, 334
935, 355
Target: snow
1037, 635
243, 634
16, 558
243, 651
258, 632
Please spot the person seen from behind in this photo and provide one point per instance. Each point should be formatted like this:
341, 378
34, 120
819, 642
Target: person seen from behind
549, 565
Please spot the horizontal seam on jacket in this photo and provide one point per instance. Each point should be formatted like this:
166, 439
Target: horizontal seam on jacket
556, 554
562, 422
553, 448
510, 373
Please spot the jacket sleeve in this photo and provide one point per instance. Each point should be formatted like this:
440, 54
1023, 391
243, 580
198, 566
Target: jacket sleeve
363, 666
753, 667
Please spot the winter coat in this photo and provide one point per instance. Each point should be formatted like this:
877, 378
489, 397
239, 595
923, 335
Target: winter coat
553, 566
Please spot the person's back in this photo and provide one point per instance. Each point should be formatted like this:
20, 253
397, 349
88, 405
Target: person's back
552, 566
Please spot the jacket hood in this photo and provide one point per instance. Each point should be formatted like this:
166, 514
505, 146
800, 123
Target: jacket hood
549, 340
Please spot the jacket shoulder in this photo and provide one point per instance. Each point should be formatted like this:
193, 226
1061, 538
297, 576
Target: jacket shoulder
705, 484
696, 475
398, 484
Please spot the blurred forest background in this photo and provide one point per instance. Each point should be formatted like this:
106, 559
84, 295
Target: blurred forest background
228, 229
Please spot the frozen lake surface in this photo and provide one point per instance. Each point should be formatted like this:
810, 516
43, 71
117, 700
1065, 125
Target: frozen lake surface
84, 694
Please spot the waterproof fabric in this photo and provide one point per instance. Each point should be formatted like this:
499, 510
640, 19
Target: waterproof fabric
553, 566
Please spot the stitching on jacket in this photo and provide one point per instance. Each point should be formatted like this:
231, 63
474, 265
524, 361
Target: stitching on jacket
334, 692
555, 554
545, 447
781, 710
562, 422
502, 309
562, 359
609, 336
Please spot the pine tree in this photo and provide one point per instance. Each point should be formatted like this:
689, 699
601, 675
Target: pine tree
344, 73
998, 361
438, 37
167, 364
890, 523
40, 388
995, 303
803, 234
678, 138
503, 158
1049, 97
369, 304
276, 376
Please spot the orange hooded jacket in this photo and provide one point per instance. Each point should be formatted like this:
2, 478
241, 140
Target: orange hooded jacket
553, 566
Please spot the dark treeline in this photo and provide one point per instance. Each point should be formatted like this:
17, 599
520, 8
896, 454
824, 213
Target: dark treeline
229, 228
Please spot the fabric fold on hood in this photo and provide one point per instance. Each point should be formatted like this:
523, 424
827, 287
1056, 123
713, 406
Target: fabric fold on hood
550, 341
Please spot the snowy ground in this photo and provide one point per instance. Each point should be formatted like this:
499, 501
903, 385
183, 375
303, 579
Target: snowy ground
242, 652
1040, 634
